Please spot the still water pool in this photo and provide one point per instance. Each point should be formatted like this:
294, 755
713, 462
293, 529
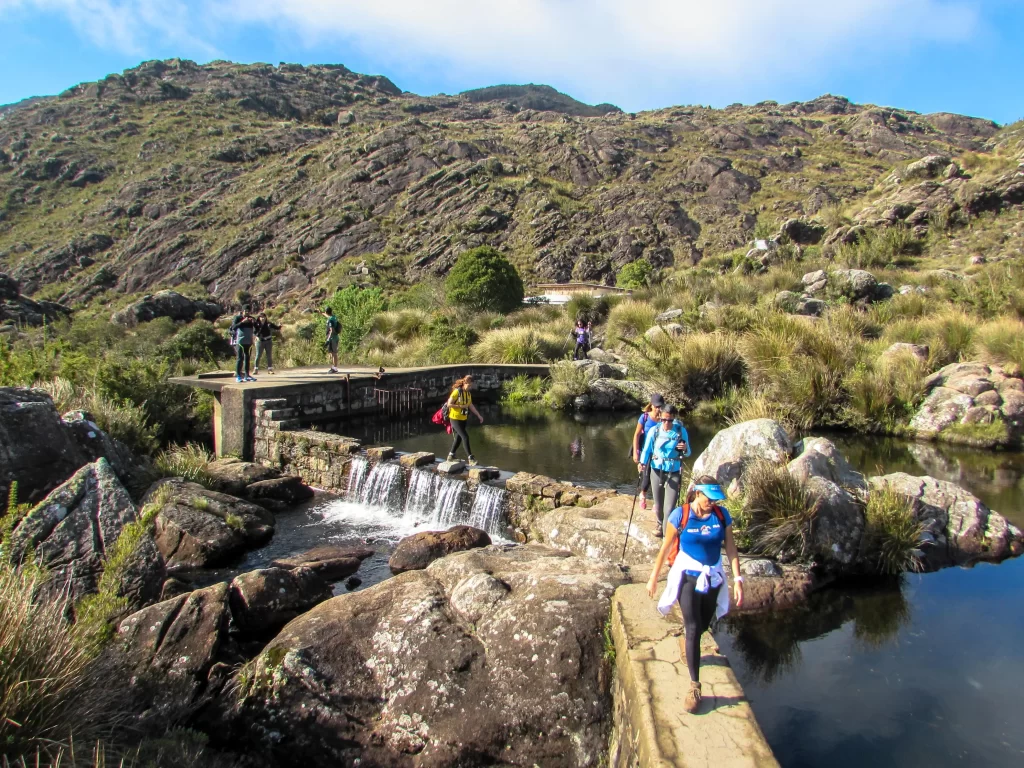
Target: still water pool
925, 671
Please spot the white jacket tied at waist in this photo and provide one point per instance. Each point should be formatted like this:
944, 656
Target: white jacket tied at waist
710, 576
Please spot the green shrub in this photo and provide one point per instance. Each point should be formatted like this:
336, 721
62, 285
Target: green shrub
587, 308
450, 342
523, 389
520, 345
630, 319
636, 274
568, 382
880, 248
884, 396
694, 367
355, 309
121, 419
778, 512
892, 534
198, 340
188, 461
401, 325
484, 280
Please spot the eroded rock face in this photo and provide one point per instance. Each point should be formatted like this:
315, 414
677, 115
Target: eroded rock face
234, 475
465, 663
972, 393
959, 528
732, 450
599, 531
267, 599
332, 563
199, 528
166, 304
614, 395
416, 552
279, 493
72, 529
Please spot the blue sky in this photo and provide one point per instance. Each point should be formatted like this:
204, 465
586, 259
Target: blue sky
962, 56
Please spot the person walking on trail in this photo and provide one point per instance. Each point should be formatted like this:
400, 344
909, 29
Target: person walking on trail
693, 547
460, 403
649, 419
265, 341
664, 449
331, 345
582, 335
243, 329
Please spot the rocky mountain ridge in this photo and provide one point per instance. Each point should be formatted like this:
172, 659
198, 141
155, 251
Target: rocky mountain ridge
265, 179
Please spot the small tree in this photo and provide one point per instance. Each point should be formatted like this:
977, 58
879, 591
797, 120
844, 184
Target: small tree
485, 281
636, 274
354, 307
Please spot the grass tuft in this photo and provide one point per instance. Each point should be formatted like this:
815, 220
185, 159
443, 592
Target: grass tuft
892, 534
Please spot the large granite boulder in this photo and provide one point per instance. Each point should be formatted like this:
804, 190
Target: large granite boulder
265, 600
200, 528
279, 493
733, 450
71, 532
231, 475
94, 443
958, 528
600, 531
21, 310
172, 646
488, 657
965, 394
839, 490
615, 395
594, 370
330, 562
166, 304
802, 232
36, 449
416, 552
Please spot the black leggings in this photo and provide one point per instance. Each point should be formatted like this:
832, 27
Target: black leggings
645, 478
242, 357
580, 353
461, 436
698, 611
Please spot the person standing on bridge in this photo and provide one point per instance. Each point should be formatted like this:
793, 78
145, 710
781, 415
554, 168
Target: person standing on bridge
664, 449
331, 345
693, 547
460, 403
265, 341
243, 332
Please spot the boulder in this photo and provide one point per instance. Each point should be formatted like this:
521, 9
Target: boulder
856, 284
596, 353
279, 493
818, 457
234, 475
166, 304
959, 528
811, 278
768, 586
667, 331
971, 393
594, 370
929, 167
668, 316
36, 449
200, 528
416, 552
920, 351
615, 395
173, 645
465, 663
942, 407
599, 531
71, 531
20, 310
263, 601
94, 443
802, 232
330, 562
732, 450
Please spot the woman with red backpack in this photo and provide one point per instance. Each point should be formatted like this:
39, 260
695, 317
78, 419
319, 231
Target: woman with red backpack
693, 543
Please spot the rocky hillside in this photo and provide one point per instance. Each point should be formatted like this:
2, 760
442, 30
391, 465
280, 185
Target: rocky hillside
278, 180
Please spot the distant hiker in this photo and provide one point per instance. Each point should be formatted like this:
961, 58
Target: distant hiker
649, 419
693, 547
331, 345
265, 341
582, 335
243, 327
663, 451
460, 403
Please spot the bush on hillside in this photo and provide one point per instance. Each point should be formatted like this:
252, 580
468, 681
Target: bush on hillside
484, 280
636, 274
355, 309
521, 345
450, 341
198, 340
630, 319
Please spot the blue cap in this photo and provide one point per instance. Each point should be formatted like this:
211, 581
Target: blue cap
713, 492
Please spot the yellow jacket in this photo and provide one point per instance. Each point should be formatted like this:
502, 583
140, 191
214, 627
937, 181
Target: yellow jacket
458, 405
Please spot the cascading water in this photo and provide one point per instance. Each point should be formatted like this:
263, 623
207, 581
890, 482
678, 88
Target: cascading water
383, 486
358, 468
448, 504
487, 512
434, 500
419, 499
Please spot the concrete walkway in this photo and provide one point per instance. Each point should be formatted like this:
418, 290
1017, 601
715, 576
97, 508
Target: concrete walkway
654, 729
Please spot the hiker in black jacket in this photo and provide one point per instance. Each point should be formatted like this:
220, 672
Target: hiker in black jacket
243, 332
265, 341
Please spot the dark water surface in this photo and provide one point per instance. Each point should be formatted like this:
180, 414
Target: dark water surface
927, 671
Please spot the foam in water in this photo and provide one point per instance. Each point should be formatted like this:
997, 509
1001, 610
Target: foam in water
488, 506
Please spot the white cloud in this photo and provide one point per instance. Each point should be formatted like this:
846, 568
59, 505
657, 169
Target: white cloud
598, 46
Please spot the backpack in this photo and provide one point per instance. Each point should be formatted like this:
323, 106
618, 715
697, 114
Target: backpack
441, 417
233, 338
673, 549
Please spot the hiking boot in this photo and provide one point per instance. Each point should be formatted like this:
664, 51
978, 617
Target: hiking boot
659, 532
692, 701
250, 378
472, 461
255, 370
239, 379
332, 369
270, 371
451, 457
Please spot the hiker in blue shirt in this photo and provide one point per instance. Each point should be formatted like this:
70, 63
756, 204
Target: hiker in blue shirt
664, 449
649, 419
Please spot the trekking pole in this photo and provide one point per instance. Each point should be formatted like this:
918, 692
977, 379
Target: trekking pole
631, 511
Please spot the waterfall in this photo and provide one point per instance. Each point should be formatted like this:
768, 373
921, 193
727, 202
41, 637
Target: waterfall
434, 499
358, 469
488, 508
382, 487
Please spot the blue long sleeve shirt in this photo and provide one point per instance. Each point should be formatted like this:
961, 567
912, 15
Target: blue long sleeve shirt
660, 447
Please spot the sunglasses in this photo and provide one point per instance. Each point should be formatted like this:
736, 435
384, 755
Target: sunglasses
668, 418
